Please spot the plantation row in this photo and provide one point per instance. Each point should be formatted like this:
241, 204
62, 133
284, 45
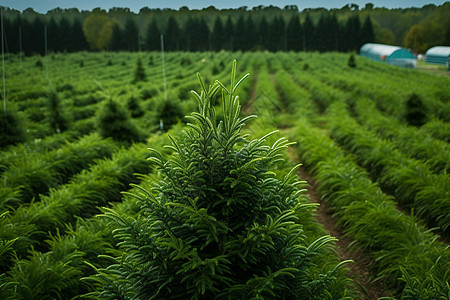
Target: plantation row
52, 213
395, 241
385, 177
63, 231
408, 179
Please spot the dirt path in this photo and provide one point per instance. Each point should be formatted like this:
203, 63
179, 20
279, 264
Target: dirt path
359, 269
249, 107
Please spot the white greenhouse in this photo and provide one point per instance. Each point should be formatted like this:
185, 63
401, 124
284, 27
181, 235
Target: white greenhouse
392, 55
438, 55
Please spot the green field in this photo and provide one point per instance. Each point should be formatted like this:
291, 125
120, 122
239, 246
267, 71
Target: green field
380, 161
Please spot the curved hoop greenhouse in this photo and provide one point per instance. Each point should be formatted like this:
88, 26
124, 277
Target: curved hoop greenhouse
392, 55
438, 55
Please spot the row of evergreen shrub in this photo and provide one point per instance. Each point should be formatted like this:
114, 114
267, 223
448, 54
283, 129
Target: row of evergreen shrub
339, 185
57, 273
322, 95
346, 88
266, 104
13, 154
437, 129
411, 141
405, 255
298, 100
409, 180
93, 187
379, 85
12, 130
352, 89
37, 173
219, 224
427, 193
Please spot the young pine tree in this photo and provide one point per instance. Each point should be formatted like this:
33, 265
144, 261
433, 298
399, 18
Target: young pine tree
416, 111
219, 225
169, 112
139, 73
55, 113
134, 106
114, 121
12, 130
351, 61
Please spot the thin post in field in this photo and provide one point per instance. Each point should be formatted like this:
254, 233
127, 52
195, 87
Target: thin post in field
163, 66
3, 67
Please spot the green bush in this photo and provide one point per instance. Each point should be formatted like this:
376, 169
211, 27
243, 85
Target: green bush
11, 128
409, 180
416, 111
39, 64
56, 115
134, 107
36, 173
185, 61
219, 224
149, 93
98, 186
169, 112
405, 254
114, 121
351, 61
139, 73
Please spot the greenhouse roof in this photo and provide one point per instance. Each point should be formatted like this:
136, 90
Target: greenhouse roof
393, 55
439, 50
379, 49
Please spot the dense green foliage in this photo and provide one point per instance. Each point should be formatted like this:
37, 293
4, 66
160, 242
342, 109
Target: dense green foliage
416, 111
400, 248
139, 74
25, 179
385, 180
134, 106
12, 130
113, 120
351, 61
56, 115
259, 28
169, 112
219, 224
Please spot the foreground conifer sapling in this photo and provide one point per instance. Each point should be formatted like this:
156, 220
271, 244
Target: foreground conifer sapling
219, 225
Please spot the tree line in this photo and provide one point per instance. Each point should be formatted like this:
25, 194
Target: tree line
261, 28
101, 32
21, 35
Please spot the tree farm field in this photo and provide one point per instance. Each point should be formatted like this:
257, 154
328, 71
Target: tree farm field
84, 211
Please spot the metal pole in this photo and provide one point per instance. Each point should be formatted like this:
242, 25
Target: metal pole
3, 67
163, 67
46, 60
139, 42
20, 42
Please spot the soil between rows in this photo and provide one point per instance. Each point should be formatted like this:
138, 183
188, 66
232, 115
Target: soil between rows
359, 270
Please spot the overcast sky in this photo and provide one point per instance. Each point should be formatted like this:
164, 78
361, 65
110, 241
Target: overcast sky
135, 5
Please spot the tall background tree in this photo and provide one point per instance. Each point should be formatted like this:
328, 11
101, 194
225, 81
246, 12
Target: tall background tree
218, 35
98, 29
172, 35
294, 34
261, 27
131, 35
152, 37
